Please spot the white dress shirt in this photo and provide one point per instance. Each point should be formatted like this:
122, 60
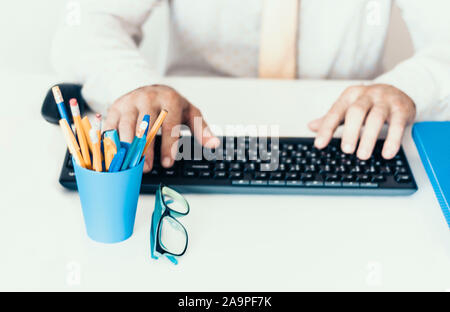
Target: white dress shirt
337, 40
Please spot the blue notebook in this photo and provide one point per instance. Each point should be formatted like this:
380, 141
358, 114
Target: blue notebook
433, 143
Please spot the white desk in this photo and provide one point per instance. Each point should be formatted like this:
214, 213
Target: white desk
237, 242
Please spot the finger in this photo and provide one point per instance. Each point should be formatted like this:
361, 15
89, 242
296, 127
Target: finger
200, 129
354, 118
335, 115
374, 122
393, 141
170, 131
329, 123
127, 126
315, 124
149, 157
112, 120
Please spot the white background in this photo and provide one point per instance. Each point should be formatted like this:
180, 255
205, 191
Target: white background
27, 28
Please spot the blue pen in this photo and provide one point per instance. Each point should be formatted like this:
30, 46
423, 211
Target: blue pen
134, 145
140, 145
116, 163
138, 153
60, 104
147, 119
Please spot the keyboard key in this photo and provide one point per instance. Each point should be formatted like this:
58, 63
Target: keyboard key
331, 177
400, 170
197, 165
189, 173
378, 178
306, 176
363, 178
292, 176
170, 173
402, 178
350, 184
240, 182
294, 183
261, 175
154, 172
348, 178
250, 167
258, 182
235, 175
276, 176
204, 174
220, 175
369, 184
314, 183
333, 184
221, 166
277, 182
235, 166
268, 167
325, 168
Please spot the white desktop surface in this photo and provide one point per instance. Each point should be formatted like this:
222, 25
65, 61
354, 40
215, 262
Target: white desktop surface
236, 242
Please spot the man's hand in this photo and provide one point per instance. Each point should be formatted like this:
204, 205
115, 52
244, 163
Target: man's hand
126, 113
372, 106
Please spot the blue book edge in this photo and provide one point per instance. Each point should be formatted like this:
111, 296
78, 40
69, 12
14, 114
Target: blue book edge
431, 173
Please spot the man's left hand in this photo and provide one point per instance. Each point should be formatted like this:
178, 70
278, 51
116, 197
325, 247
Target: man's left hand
371, 106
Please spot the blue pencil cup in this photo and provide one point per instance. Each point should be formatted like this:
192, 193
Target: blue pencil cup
109, 201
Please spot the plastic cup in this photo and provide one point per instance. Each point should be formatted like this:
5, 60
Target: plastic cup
109, 201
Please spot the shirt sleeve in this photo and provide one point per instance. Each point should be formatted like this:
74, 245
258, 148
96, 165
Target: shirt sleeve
98, 46
425, 77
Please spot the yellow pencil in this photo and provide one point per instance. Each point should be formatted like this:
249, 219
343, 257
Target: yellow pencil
96, 154
98, 125
154, 130
80, 133
74, 149
110, 151
86, 124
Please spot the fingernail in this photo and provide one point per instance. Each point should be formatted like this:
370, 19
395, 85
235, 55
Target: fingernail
363, 154
347, 148
388, 153
167, 162
212, 143
319, 142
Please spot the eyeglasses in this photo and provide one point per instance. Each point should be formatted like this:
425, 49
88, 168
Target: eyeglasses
168, 237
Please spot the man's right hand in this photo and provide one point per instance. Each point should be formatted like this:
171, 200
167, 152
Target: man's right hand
127, 112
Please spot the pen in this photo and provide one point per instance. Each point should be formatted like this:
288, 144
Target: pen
147, 119
86, 124
140, 145
72, 144
152, 133
96, 154
75, 109
117, 160
60, 103
134, 145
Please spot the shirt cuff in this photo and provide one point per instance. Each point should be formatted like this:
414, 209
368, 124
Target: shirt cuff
415, 83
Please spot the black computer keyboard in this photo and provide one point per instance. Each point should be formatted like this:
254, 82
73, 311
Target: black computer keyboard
290, 166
